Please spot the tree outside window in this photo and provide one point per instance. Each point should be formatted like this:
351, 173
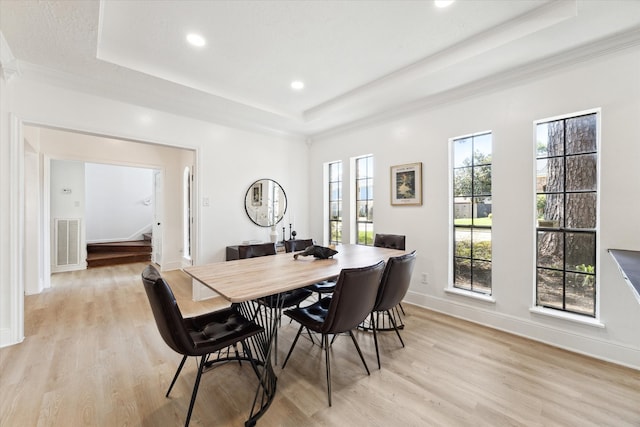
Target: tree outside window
566, 212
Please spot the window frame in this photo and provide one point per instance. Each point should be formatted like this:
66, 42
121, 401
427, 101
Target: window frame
339, 201
563, 312
369, 176
471, 227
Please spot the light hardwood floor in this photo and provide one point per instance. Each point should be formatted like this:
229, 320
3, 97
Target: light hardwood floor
93, 357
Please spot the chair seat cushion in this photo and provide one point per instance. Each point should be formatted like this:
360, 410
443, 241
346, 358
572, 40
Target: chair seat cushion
213, 331
312, 316
287, 299
324, 287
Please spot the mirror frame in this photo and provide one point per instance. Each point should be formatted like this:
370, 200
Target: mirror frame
254, 202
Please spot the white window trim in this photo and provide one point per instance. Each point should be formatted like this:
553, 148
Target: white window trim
470, 294
564, 315
584, 319
450, 287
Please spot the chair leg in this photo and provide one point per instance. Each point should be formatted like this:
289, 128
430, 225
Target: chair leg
325, 339
175, 377
203, 361
292, 346
353, 338
393, 322
402, 309
375, 338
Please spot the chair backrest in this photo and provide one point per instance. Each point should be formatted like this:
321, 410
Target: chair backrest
395, 281
166, 312
260, 249
297, 245
353, 298
391, 241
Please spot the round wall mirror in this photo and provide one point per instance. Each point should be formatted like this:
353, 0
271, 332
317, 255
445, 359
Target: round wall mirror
265, 202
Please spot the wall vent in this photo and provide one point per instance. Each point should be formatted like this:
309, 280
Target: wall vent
67, 242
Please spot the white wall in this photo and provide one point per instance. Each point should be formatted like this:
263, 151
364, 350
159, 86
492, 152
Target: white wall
67, 201
227, 161
6, 279
611, 83
118, 202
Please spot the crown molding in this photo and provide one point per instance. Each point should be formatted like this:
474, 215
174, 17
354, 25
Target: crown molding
603, 47
531, 22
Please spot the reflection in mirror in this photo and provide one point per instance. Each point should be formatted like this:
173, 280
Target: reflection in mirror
265, 202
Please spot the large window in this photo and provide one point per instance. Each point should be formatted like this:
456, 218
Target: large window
364, 200
566, 205
472, 216
335, 203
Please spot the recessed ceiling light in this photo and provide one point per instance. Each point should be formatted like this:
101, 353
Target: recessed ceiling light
443, 3
297, 84
196, 40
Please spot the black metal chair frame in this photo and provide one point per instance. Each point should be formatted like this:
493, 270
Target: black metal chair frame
391, 241
331, 310
179, 332
383, 305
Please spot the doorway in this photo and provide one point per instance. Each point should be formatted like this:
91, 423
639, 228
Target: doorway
168, 162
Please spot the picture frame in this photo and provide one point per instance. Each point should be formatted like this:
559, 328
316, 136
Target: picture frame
406, 184
256, 194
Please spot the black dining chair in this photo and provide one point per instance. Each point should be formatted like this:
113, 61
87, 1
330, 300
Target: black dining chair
198, 336
256, 250
352, 301
321, 288
394, 285
391, 241
297, 245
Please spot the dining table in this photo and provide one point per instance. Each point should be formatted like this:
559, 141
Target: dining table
247, 283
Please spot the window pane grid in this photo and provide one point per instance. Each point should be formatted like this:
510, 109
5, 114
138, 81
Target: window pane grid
364, 201
472, 213
335, 203
566, 191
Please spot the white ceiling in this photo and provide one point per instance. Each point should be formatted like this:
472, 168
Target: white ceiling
360, 60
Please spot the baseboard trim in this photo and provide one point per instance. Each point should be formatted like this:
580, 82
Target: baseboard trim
6, 338
546, 330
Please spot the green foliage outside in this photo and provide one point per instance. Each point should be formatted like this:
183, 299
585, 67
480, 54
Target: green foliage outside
478, 221
365, 237
481, 250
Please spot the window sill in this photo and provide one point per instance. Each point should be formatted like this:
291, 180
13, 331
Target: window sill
472, 295
583, 320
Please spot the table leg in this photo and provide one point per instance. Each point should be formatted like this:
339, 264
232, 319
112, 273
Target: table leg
262, 344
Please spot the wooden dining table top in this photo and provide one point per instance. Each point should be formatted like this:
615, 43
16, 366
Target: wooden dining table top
248, 279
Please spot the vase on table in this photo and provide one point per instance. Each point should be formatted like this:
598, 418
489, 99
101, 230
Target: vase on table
273, 236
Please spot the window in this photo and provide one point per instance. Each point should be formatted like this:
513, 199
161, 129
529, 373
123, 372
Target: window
566, 207
364, 200
472, 213
335, 203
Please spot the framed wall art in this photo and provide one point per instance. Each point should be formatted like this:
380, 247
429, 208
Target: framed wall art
406, 184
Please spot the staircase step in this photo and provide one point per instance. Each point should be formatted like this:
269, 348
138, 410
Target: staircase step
103, 259
127, 246
147, 237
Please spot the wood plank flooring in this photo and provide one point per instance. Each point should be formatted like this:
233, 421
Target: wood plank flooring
93, 357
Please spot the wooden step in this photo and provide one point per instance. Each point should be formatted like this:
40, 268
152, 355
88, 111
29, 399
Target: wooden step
127, 246
116, 258
115, 253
